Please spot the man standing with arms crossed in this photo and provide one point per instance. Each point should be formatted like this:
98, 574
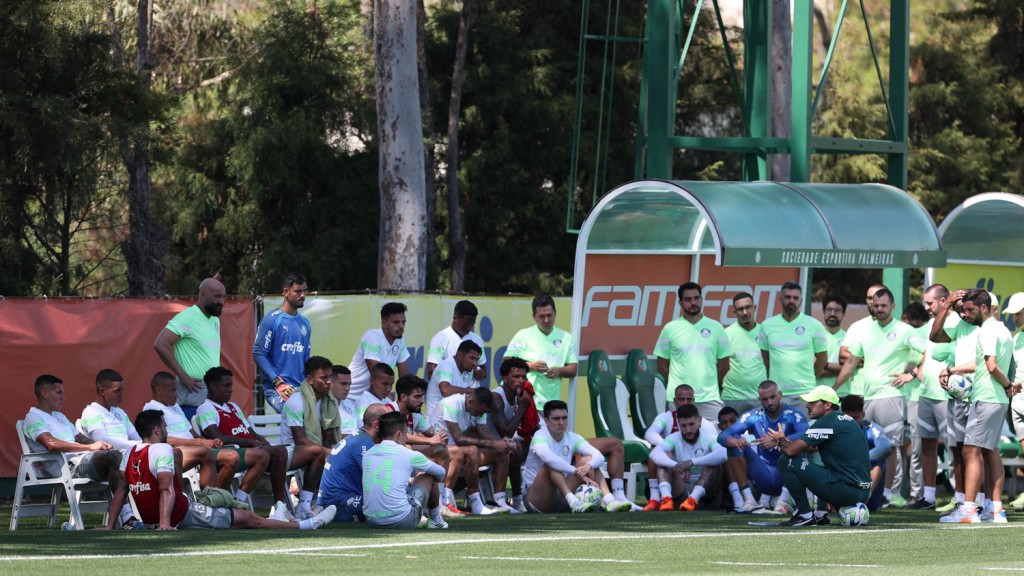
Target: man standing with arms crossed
550, 352
190, 344
693, 349
746, 366
282, 343
794, 347
891, 351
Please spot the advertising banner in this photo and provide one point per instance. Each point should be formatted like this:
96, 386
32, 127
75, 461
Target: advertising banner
75, 339
999, 280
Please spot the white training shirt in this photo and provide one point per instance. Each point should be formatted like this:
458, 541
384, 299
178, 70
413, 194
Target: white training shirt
666, 421
368, 399
557, 454
447, 371
178, 425
111, 426
706, 451
446, 343
387, 468
350, 423
453, 409
38, 422
374, 346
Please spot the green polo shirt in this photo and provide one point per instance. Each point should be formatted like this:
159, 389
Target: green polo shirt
886, 351
938, 355
556, 349
693, 352
835, 342
746, 367
993, 340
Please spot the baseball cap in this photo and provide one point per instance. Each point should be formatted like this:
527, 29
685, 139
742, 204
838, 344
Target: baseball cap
1015, 304
825, 393
994, 299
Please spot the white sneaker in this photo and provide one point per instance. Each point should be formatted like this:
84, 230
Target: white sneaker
435, 525
580, 507
450, 511
998, 517
782, 507
280, 512
323, 518
511, 509
617, 506
958, 516
488, 511
749, 505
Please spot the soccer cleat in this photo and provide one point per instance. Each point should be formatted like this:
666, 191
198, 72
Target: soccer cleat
948, 507
504, 505
667, 504
1018, 504
688, 505
436, 525
749, 505
823, 520
581, 507
488, 511
652, 506
280, 512
782, 508
921, 504
450, 511
798, 521
617, 506
323, 518
897, 501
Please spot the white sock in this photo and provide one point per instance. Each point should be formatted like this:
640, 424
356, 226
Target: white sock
435, 514
929, 494
807, 515
449, 496
887, 493
571, 499
666, 489
305, 497
655, 491
499, 499
737, 498
766, 501
969, 507
475, 503
748, 494
608, 498
995, 506
784, 495
697, 493
959, 497
980, 499
516, 501
618, 486
241, 495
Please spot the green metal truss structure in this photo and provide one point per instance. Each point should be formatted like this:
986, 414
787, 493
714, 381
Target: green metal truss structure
666, 46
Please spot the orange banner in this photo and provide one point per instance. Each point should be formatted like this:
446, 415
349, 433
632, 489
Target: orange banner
75, 339
629, 298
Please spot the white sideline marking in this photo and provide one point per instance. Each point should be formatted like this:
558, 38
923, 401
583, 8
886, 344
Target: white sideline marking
999, 569
800, 533
550, 559
811, 564
332, 554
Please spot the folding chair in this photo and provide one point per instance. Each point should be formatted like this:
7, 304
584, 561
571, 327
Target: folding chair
608, 400
32, 472
269, 426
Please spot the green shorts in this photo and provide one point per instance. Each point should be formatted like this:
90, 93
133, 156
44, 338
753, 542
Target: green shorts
241, 457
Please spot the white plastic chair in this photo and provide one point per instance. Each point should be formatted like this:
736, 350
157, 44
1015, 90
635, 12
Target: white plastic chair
31, 472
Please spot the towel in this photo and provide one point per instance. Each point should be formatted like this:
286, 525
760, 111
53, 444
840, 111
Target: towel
311, 420
531, 419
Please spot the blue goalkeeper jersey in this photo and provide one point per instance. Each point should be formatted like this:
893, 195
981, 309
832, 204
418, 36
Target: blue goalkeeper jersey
282, 347
757, 422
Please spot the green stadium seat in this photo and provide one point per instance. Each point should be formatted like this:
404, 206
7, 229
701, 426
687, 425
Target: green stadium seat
609, 398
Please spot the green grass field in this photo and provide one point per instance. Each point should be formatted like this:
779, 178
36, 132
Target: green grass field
895, 542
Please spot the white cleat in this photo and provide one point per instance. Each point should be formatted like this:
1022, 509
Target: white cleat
323, 518
749, 505
617, 506
280, 512
581, 507
488, 511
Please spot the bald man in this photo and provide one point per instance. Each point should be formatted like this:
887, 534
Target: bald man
190, 344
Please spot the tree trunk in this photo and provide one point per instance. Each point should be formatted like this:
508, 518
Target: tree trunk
782, 83
401, 263
456, 237
429, 138
144, 251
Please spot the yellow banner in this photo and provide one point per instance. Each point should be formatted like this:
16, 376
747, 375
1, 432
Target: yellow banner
1003, 281
339, 322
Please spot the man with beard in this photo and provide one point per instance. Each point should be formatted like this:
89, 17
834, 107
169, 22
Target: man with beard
380, 345
746, 367
694, 349
282, 344
891, 351
833, 309
190, 344
794, 347
856, 382
342, 482
689, 462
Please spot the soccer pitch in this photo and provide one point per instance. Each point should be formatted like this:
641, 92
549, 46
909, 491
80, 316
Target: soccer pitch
895, 542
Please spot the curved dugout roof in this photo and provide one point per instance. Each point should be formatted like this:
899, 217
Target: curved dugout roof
987, 228
767, 224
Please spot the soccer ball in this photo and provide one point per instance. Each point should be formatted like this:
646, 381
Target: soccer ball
589, 494
854, 515
959, 387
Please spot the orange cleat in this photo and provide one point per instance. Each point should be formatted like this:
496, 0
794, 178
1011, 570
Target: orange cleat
652, 506
688, 505
667, 505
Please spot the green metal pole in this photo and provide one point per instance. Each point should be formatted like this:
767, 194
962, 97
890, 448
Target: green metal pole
800, 128
660, 87
757, 20
898, 279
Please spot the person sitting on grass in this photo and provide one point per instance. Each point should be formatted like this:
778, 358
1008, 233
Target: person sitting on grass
689, 462
389, 499
342, 482
843, 478
560, 461
152, 472
878, 446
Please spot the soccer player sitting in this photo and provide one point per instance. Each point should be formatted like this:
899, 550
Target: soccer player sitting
419, 434
752, 453
689, 461
104, 419
389, 499
153, 474
878, 447
550, 471
665, 425
341, 385
342, 482
465, 417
